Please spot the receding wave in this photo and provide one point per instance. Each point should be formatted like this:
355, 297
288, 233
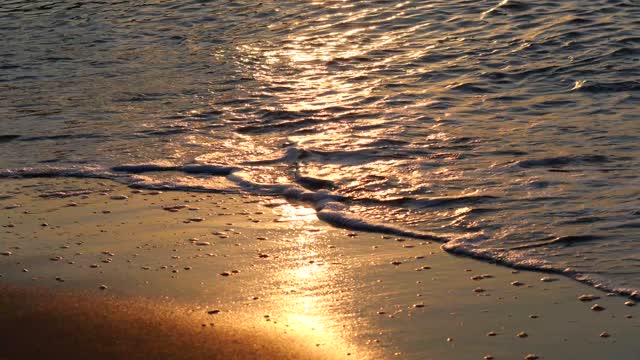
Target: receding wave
341, 220
523, 259
330, 207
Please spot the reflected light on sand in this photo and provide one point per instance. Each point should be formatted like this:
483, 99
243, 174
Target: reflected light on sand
314, 305
295, 213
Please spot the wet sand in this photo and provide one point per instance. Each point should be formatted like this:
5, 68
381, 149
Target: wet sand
91, 266
39, 324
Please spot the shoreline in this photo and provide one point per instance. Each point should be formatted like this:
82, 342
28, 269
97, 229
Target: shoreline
363, 295
328, 209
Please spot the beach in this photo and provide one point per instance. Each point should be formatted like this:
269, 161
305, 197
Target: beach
245, 276
225, 179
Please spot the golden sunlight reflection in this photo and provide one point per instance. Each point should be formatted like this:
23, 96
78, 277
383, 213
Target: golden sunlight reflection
297, 213
314, 299
301, 70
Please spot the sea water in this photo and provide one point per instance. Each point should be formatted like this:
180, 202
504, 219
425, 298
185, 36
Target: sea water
508, 130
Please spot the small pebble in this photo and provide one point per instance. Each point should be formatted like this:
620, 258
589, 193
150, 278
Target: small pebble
119, 197
396, 263
481, 276
6, 253
531, 357
548, 279
604, 334
597, 307
588, 297
630, 303
103, 287
517, 283
488, 357
491, 333
213, 312
522, 334
224, 273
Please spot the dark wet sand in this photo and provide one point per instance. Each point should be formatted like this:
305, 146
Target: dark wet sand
42, 324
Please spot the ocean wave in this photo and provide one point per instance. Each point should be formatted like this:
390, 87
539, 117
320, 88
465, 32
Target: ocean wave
525, 260
341, 220
606, 87
331, 208
561, 161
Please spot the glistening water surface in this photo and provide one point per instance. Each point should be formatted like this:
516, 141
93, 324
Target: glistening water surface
508, 129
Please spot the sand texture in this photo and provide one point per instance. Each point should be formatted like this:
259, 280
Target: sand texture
93, 269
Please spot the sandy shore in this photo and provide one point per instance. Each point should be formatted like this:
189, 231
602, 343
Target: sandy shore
230, 276
41, 324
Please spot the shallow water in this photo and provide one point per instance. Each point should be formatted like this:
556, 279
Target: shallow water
506, 128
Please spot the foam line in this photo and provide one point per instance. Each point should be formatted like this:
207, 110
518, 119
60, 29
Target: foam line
330, 207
